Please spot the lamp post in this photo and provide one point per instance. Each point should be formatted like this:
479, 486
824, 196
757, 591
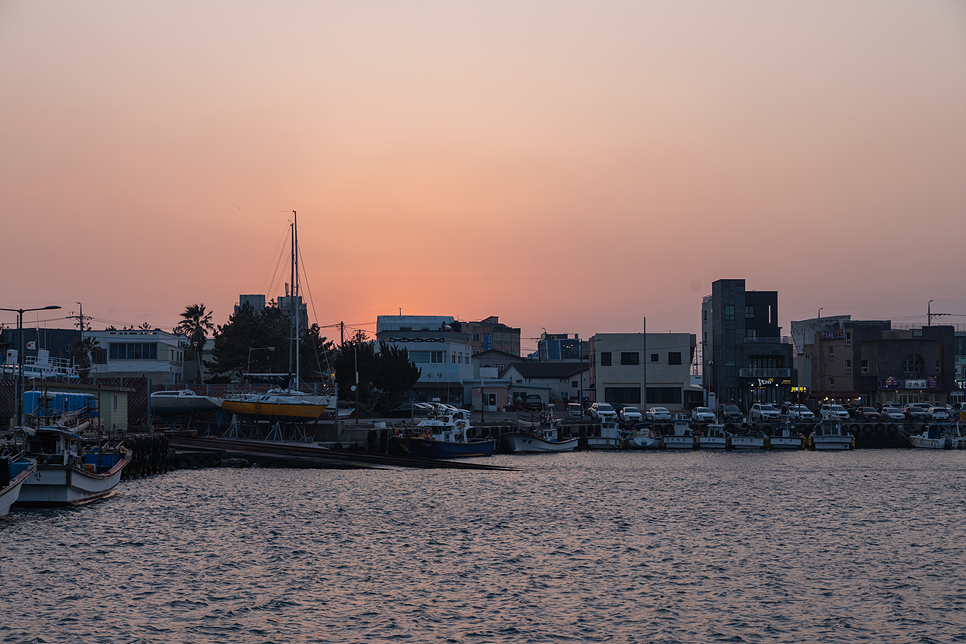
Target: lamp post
20, 313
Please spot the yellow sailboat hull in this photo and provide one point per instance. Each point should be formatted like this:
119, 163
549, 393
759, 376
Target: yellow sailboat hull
295, 412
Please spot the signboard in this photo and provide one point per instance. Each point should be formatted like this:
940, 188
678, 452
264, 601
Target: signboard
797, 389
889, 383
915, 384
833, 334
931, 383
487, 341
764, 382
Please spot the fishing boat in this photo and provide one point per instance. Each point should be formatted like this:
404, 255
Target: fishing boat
786, 436
939, 437
714, 437
831, 435
445, 434
545, 437
645, 437
747, 439
68, 471
608, 435
681, 436
14, 470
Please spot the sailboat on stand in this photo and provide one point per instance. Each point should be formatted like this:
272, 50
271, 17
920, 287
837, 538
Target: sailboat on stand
284, 404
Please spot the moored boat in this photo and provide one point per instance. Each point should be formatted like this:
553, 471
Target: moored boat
182, 401
939, 437
67, 472
831, 435
13, 472
714, 437
645, 437
681, 436
607, 436
543, 438
786, 436
445, 434
747, 439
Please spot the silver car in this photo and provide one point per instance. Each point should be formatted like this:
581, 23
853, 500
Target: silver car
800, 413
702, 415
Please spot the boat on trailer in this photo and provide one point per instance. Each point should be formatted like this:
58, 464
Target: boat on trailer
69, 471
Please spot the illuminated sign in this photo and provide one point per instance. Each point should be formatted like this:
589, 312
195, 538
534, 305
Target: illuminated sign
799, 388
834, 334
764, 382
915, 384
889, 383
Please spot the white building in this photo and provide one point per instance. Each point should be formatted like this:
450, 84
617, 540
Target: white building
154, 354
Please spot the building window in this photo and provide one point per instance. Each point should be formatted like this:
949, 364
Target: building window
630, 358
476, 337
831, 353
704, 315
831, 384
913, 365
706, 337
134, 350
664, 395
749, 311
939, 367
115, 402
848, 338
674, 357
436, 357
751, 334
865, 366
605, 358
848, 366
729, 312
653, 357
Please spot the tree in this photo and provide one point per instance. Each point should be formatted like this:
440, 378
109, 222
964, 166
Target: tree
84, 350
396, 374
358, 350
196, 324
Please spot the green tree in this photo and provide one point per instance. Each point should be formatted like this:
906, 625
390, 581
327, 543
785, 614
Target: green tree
84, 349
396, 374
242, 344
358, 350
196, 324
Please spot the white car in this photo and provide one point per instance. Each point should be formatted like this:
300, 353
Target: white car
938, 413
658, 415
631, 414
602, 411
800, 413
702, 415
763, 412
834, 412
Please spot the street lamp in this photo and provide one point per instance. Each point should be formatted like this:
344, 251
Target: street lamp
20, 313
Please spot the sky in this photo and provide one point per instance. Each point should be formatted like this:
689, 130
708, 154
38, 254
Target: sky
577, 167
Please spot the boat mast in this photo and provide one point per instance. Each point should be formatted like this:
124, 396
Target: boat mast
296, 308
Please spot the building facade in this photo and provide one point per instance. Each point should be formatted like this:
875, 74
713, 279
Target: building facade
155, 354
746, 359
490, 333
643, 370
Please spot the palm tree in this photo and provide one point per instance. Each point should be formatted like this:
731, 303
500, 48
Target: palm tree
84, 350
196, 324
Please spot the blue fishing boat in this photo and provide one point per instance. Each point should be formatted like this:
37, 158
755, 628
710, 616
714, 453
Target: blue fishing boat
445, 434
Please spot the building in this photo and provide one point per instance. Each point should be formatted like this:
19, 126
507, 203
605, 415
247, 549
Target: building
438, 346
643, 370
490, 333
552, 381
960, 394
871, 363
746, 359
139, 353
559, 347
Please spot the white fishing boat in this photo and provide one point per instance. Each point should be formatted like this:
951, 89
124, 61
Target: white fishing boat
14, 470
544, 437
714, 437
786, 436
607, 435
444, 434
645, 437
68, 473
747, 439
831, 435
940, 437
681, 436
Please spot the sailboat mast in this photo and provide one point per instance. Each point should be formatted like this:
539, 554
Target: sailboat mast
296, 308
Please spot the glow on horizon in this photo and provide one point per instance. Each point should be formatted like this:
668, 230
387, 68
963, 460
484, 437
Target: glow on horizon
560, 165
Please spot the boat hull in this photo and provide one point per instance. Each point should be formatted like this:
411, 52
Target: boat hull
747, 443
275, 411
183, 404
645, 442
63, 485
713, 442
428, 448
519, 443
785, 442
10, 494
945, 442
832, 443
604, 443
679, 443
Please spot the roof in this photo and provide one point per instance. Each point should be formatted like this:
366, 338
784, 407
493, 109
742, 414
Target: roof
548, 369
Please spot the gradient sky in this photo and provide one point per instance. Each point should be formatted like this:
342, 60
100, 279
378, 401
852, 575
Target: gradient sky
569, 165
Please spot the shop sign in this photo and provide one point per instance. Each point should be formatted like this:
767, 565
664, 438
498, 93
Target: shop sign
931, 383
833, 334
764, 382
915, 384
889, 383
803, 389
786, 382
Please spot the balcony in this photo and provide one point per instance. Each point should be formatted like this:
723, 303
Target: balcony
782, 340
751, 372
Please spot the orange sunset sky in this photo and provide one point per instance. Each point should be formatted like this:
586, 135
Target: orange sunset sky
573, 166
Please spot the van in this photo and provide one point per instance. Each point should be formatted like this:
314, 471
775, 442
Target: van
574, 412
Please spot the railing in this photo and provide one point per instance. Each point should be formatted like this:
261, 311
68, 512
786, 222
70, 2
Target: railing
781, 340
751, 372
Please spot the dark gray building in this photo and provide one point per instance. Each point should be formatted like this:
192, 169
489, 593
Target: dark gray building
745, 358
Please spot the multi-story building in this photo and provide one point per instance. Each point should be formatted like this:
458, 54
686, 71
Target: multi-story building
490, 333
139, 353
870, 362
643, 369
560, 347
746, 359
438, 346
959, 395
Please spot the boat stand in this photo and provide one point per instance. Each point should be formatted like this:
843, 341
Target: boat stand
293, 432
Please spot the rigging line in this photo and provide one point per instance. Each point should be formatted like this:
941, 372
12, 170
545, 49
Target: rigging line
300, 260
277, 256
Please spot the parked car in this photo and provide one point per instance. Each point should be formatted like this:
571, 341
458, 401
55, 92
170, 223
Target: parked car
800, 413
602, 411
631, 414
534, 402
763, 412
833, 412
867, 413
658, 415
937, 413
887, 412
574, 412
916, 411
728, 413
702, 415
406, 410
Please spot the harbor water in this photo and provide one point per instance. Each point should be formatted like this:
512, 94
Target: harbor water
860, 546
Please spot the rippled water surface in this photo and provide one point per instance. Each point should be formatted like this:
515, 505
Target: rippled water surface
585, 547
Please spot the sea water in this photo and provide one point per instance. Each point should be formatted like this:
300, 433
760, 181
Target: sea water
861, 546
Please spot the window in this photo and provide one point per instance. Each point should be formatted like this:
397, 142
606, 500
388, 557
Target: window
848, 366
751, 334
476, 337
630, 358
453, 358
134, 350
605, 358
831, 353
913, 365
437, 357
749, 311
939, 367
729, 312
865, 366
100, 356
663, 395
831, 384
115, 402
574, 384
654, 357
848, 338
622, 395
674, 357
706, 337
704, 315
